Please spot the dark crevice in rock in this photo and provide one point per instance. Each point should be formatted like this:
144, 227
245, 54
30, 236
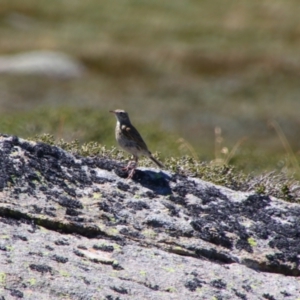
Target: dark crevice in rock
90, 232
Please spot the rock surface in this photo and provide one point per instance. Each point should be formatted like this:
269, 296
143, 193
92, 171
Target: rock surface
42, 63
76, 228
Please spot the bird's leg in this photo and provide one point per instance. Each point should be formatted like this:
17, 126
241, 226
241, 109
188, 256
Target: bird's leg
135, 164
131, 165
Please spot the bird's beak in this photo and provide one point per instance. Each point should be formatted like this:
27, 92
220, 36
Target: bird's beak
112, 111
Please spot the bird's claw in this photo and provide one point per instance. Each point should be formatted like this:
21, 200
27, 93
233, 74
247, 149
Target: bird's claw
131, 165
130, 168
130, 175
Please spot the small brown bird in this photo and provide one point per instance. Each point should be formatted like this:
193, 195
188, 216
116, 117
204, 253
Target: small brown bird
131, 141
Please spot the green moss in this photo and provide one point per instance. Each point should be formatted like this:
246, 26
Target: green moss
171, 289
2, 278
97, 196
9, 248
252, 242
115, 263
31, 281
286, 192
149, 233
260, 189
112, 231
117, 247
169, 270
64, 273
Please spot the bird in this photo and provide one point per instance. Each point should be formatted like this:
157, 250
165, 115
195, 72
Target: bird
131, 141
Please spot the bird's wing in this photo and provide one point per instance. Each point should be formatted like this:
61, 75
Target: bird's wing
131, 133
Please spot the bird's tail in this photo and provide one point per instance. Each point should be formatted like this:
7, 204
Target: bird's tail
156, 161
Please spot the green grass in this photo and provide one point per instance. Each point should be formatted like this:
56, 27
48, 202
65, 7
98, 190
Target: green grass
180, 68
84, 125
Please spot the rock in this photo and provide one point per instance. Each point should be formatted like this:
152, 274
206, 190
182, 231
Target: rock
42, 63
73, 226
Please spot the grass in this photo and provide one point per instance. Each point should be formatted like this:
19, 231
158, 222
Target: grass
84, 125
181, 69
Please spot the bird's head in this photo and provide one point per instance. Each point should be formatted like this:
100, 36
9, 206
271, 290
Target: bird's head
121, 115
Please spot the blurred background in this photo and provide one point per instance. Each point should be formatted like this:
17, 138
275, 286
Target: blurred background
218, 80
